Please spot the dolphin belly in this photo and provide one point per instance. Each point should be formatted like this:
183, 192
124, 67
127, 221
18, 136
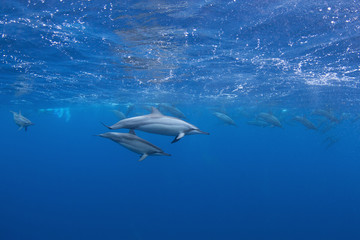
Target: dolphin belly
138, 147
162, 129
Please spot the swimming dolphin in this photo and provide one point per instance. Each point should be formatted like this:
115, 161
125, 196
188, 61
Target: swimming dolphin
157, 123
225, 118
269, 118
330, 141
327, 114
172, 110
306, 122
119, 114
21, 121
130, 108
258, 123
134, 143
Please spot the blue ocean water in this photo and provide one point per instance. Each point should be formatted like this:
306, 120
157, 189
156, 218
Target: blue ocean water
67, 65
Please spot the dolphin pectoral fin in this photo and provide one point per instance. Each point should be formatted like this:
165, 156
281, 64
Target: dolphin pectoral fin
131, 131
178, 137
25, 129
21, 127
143, 157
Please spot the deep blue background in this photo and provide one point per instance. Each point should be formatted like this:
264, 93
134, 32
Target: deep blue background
60, 182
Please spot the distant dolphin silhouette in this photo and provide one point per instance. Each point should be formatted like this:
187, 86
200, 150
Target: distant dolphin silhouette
225, 118
269, 118
172, 110
119, 114
306, 122
258, 123
21, 121
327, 114
134, 143
158, 123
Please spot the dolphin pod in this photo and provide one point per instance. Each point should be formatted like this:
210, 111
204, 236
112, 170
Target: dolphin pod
157, 123
21, 121
134, 143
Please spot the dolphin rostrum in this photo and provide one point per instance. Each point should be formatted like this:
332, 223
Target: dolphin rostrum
21, 121
157, 123
134, 143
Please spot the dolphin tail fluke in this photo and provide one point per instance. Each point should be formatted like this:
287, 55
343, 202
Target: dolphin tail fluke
143, 157
106, 125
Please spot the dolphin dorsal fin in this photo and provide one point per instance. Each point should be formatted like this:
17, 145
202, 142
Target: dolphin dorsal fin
155, 111
131, 131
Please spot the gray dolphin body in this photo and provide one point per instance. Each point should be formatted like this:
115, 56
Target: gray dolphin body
172, 110
21, 121
306, 122
258, 123
225, 118
119, 114
326, 114
135, 144
269, 118
158, 123
130, 108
